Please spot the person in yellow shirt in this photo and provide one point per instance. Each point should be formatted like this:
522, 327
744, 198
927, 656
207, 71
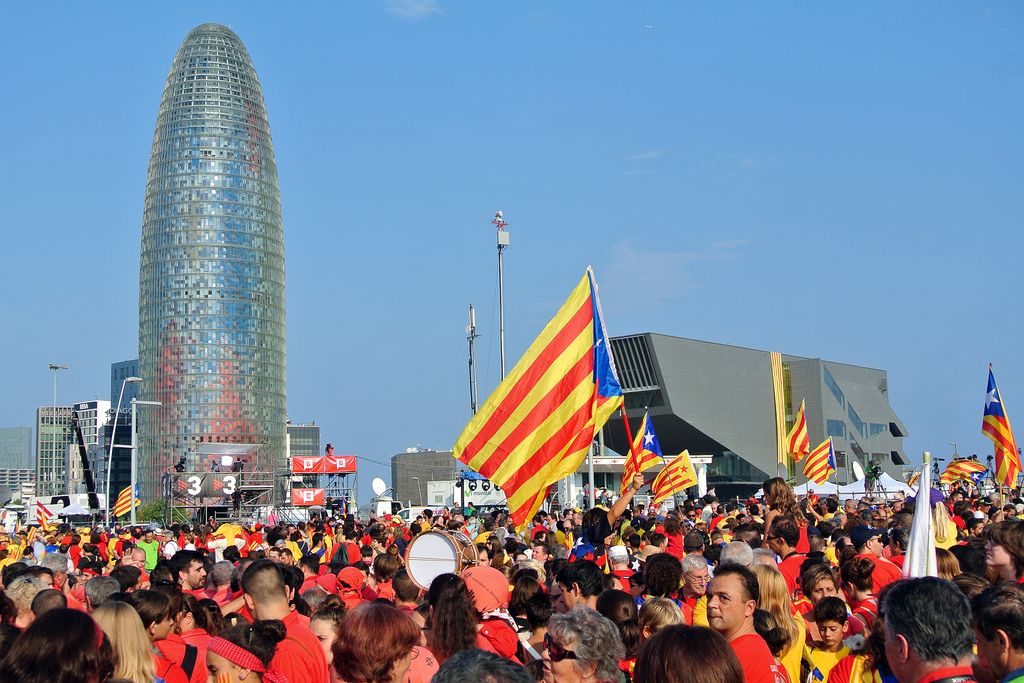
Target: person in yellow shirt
830, 615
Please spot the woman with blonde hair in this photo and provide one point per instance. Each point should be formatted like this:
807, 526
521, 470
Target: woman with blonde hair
943, 527
776, 601
656, 614
947, 563
133, 653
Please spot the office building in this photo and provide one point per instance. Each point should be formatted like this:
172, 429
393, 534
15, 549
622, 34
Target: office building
53, 439
92, 420
119, 372
304, 439
17, 462
211, 276
730, 403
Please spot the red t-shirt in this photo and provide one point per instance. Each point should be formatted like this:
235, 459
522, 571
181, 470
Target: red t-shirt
756, 659
173, 648
423, 666
803, 545
500, 636
675, 546
840, 673
168, 670
790, 568
885, 572
299, 656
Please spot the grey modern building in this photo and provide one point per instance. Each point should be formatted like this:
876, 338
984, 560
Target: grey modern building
17, 461
412, 470
53, 439
119, 372
211, 276
304, 439
719, 400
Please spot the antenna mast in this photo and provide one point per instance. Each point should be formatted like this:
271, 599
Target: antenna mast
471, 336
502, 226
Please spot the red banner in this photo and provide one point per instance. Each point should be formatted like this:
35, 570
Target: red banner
308, 497
340, 464
307, 464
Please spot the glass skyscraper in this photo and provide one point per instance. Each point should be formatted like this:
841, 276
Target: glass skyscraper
211, 278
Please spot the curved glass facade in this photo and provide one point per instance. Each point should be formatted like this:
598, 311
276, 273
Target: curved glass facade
211, 278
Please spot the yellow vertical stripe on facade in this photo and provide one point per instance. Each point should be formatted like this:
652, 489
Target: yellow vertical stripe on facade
778, 389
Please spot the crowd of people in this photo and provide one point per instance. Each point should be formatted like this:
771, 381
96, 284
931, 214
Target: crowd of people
770, 590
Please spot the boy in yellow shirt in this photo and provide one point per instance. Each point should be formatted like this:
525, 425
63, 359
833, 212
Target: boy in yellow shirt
830, 615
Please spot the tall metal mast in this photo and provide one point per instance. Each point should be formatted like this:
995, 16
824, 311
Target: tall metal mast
471, 336
502, 226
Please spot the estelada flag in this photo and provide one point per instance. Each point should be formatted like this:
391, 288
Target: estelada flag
644, 454
798, 443
676, 476
962, 469
821, 462
995, 424
123, 504
539, 423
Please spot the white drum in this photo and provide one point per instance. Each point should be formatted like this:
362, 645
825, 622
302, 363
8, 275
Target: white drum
438, 552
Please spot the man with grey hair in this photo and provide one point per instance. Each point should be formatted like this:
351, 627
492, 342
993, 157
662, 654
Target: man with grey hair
695, 586
479, 666
59, 564
737, 552
218, 583
22, 592
928, 631
766, 557
98, 589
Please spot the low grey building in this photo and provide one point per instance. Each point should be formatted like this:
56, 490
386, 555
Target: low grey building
412, 470
719, 399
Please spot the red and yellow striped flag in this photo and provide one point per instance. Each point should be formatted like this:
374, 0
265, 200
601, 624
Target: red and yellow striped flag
798, 443
995, 424
821, 462
43, 514
961, 469
914, 479
123, 504
645, 453
676, 476
539, 423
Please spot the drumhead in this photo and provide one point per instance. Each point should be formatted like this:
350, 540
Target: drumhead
429, 555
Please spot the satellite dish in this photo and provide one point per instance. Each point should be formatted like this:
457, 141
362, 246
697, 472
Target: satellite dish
378, 486
858, 471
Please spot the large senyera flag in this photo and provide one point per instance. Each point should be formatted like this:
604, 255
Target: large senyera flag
798, 443
675, 477
962, 469
645, 453
821, 462
539, 423
995, 424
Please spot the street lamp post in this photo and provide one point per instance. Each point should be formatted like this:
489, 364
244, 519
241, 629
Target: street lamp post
419, 491
110, 454
53, 416
135, 460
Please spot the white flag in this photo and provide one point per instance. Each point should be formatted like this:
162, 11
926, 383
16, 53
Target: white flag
920, 560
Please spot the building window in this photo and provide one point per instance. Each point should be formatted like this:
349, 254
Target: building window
875, 428
858, 424
835, 428
830, 382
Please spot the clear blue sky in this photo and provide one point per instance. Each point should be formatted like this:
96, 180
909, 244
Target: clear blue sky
840, 180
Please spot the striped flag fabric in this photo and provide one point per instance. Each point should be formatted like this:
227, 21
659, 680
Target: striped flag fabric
538, 425
798, 443
995, 424
914, 479
821, 462
123, 504
673, 478
645, 453
962, 469
920, 560
43, 514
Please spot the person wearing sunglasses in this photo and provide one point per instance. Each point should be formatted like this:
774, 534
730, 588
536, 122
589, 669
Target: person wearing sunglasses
581, 646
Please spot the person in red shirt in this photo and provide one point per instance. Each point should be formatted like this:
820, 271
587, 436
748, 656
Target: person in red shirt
299, 656
868, 544
732, 599
674, 536
782, 540
156, 611
310, 566
246, 649
929, 636
618, 561
376, 637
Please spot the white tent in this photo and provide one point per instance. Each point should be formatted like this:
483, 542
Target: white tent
885, 485
75, 508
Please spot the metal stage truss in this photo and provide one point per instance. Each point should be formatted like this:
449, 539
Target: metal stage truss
228, 482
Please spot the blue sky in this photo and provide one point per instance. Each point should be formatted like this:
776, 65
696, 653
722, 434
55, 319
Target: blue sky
823, 179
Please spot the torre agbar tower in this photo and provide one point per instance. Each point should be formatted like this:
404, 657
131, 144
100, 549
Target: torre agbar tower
211, 277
